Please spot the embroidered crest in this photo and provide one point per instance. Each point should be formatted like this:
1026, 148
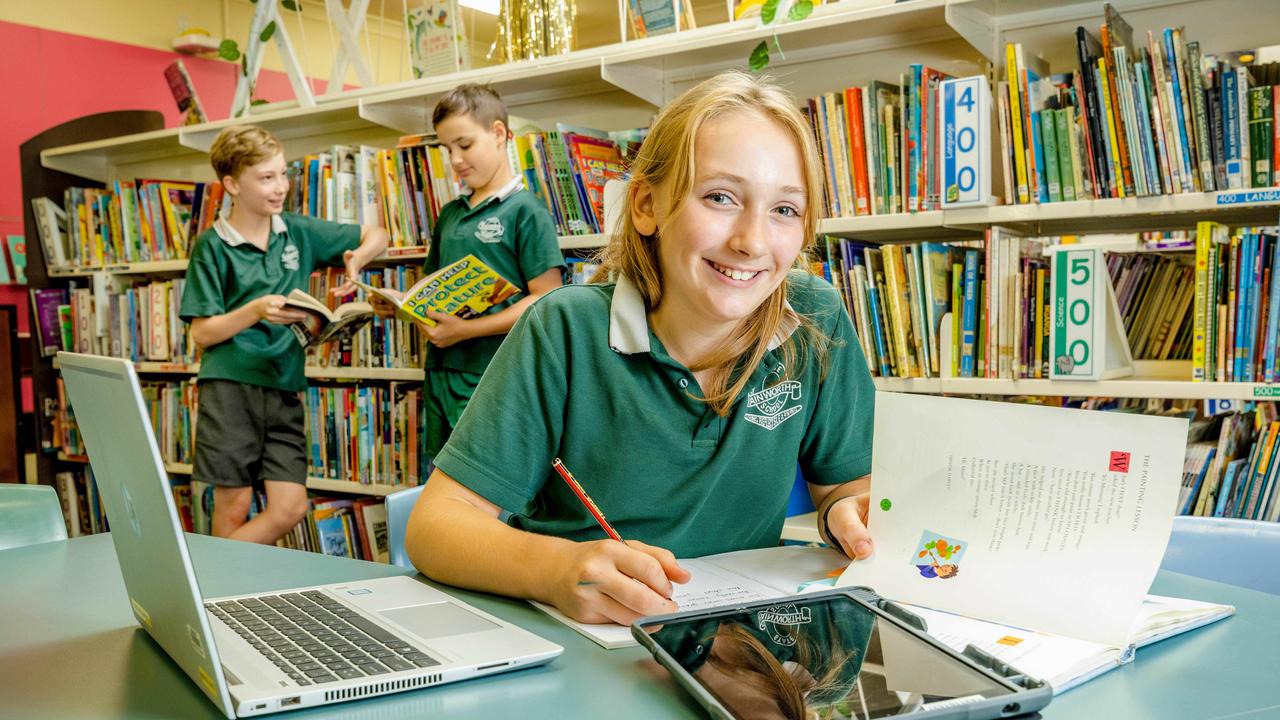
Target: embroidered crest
778, 621
776, 401
490, 230
289, 258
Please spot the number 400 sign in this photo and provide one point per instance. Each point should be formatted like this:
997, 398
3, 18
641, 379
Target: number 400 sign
1087, 340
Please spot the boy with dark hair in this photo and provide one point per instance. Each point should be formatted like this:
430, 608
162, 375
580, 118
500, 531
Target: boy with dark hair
503, 225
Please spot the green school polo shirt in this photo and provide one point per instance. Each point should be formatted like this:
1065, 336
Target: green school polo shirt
226, 271
510, 232
583, 378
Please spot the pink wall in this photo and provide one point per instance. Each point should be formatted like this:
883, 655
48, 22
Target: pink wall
51, 77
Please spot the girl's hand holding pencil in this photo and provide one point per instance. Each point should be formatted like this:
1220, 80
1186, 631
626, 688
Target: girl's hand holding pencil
614, 580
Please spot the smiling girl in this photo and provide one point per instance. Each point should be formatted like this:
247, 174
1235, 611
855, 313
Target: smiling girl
682, 390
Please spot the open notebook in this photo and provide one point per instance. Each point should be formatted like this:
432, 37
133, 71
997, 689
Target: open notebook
743, 576
1064, 662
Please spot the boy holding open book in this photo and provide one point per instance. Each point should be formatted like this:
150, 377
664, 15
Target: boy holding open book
500, 224
250, 426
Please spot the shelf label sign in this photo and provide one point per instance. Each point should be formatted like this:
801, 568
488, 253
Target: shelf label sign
965, 109
1074, 315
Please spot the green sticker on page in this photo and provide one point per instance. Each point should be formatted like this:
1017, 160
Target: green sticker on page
885, 504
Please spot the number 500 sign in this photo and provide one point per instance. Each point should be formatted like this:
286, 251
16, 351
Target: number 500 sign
1087, 340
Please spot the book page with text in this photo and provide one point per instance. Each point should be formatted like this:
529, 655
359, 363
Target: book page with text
1044, 518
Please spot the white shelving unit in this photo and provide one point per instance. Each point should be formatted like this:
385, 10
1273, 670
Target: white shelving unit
840, 45
318, 484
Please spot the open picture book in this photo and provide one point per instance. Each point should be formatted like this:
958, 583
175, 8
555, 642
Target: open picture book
466, 288
1037, 544
323, 325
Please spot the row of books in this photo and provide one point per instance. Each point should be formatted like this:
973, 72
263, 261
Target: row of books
1234, 474
339, 527
568, 168
879, 145
992, 294
1155, 295
365, 434
1237, 303
401, 189
172, 408
1134, 119
81, 504
138, 322
386, 343
993, 300
129, 221
342, 528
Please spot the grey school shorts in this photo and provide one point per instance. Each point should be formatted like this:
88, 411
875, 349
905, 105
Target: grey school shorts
246, 434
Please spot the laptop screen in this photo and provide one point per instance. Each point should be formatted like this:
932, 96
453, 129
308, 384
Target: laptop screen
150, 547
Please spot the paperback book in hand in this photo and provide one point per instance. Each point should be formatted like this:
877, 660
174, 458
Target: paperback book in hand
466, 289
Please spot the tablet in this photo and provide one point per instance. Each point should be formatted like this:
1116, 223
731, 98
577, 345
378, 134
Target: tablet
843, 653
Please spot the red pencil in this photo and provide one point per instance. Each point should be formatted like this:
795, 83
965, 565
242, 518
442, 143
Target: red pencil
586, 499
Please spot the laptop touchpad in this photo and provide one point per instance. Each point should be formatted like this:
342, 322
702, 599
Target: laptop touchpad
434, 620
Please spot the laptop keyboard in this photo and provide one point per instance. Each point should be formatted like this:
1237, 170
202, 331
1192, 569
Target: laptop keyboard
316, 639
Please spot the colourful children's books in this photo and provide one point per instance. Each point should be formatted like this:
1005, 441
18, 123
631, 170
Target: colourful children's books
466, 288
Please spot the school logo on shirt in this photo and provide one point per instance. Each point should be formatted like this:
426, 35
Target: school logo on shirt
490, 230
781, 621
775, 402
289, 258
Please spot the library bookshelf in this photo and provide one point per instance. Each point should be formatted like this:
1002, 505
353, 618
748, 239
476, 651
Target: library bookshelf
842, 44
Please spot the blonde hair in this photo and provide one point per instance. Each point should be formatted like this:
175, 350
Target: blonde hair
241, 146
666, 159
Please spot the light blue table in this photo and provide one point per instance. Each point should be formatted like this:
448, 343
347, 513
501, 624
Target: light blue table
69, 648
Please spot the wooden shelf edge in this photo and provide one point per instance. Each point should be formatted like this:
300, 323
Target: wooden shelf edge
354, 488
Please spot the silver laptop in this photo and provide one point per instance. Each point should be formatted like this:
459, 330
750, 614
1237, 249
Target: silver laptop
262, 653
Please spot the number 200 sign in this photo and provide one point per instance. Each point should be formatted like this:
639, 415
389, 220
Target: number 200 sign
965, 108
1078, 296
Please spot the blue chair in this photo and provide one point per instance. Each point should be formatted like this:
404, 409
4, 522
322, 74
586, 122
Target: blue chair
29, 514
1236, 552
399, 505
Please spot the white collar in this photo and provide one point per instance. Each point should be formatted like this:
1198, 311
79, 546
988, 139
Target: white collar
232, 236
629, 321
511, 188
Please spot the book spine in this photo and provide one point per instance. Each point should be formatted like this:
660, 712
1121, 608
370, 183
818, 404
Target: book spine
1275, 135
1006, 143
1186, 120
1231, 130
1015, 110
1068, 170
857, 150
969, 322
1087, 100
1204, 237
1040, 170
1260, 134
1120, 139
1113, 145
1141, 99
1048, 152
1200, 113
1242, 117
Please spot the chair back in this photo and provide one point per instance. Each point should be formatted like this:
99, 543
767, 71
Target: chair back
1236, 552
29, 514
399, 505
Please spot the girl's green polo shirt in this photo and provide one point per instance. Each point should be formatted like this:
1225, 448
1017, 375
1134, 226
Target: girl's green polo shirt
226, 271
510, 232
583, 378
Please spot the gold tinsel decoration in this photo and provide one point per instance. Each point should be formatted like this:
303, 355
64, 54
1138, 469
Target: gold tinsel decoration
531, 29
